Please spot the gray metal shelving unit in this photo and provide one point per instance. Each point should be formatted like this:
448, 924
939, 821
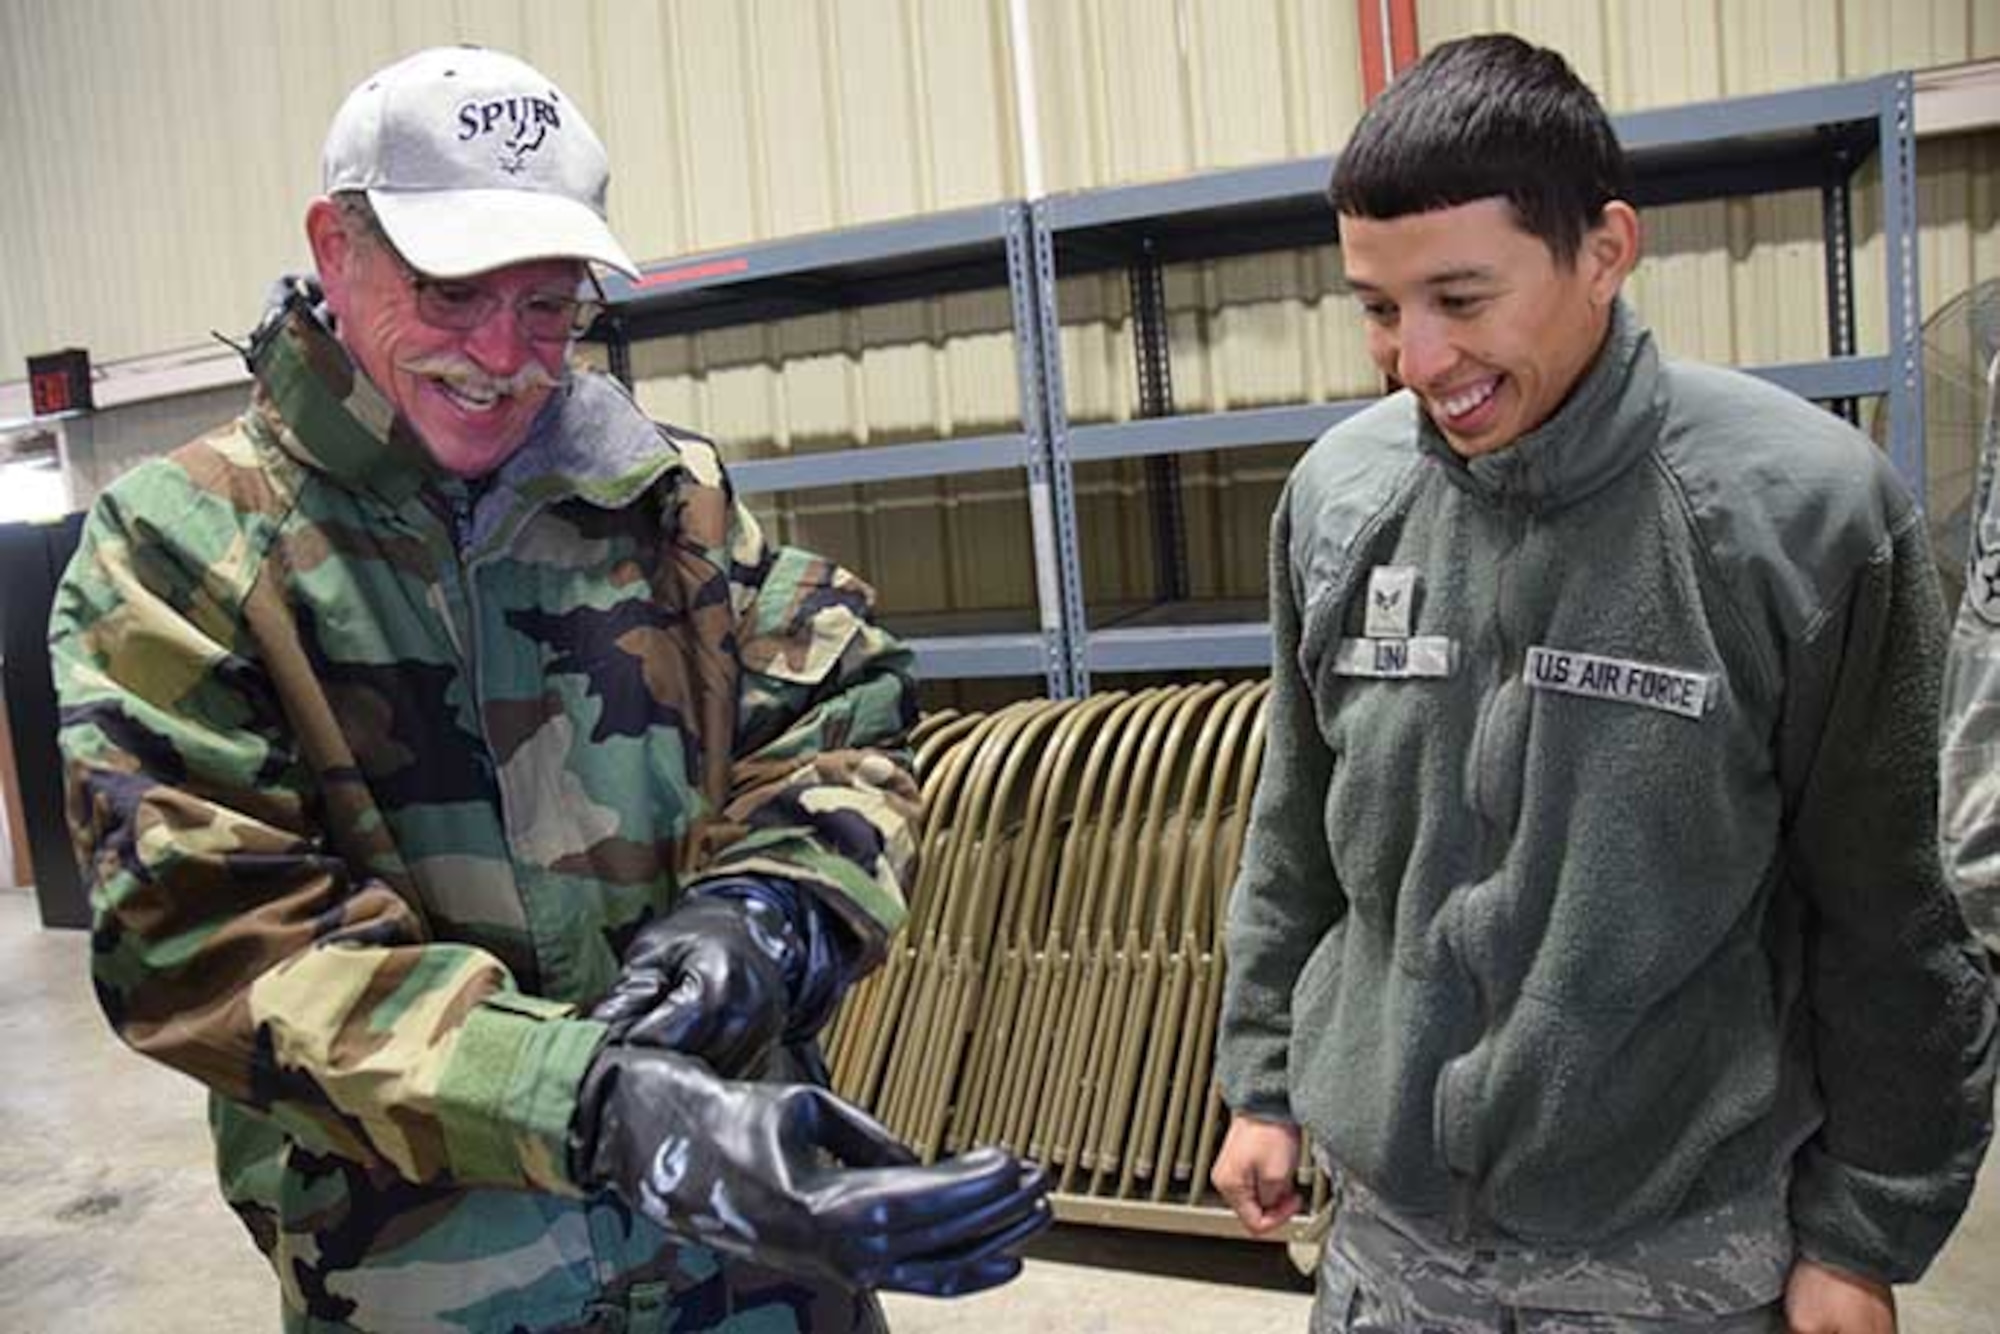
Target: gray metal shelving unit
932, 255
1814, 138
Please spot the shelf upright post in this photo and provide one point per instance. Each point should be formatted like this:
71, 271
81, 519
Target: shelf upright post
1156, 399
618, 348
1837, 225
1059, 505
1051, 496
1899, 245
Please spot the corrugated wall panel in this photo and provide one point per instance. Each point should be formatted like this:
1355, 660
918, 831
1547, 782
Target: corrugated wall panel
1138, 80
728, 123
1137, 90
720, 114
1236, 61
787, 115
1960, 217
1658, 55
1877, 35
156, 172
44, 150
638, 113
1663, 53
881, 157
812, 116
1955, 199
964, 65
1734, 282
739, 120
1145, 89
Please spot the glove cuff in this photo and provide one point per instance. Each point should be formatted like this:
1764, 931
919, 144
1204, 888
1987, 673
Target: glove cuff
817, 955
605, 1148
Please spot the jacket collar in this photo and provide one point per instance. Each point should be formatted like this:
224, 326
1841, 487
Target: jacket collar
1607, 423
590, 440
319, 406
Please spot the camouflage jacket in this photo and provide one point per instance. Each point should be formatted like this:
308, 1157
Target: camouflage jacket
372, 773
1969, 756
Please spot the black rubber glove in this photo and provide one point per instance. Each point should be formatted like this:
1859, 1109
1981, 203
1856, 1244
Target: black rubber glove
733, 971
789, 1177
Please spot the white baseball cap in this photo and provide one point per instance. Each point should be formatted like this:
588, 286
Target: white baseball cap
473, 160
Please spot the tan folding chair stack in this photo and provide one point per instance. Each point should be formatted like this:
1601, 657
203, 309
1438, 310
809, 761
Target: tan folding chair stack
982, 856
1058, 986
1136, 961
870, 1023
991, 1091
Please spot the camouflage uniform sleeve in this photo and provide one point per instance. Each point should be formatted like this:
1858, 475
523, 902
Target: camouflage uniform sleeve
820, 785
229, 941
1969, 749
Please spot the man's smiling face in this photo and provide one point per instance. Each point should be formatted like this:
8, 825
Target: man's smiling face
1480, 318
471, 394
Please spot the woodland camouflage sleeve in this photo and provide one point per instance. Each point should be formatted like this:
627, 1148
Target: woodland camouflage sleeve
229, 942
1969, 732
820, 788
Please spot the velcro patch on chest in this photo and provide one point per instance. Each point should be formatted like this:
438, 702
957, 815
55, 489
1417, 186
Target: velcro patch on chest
1620, 680
1418, 658
1392, 600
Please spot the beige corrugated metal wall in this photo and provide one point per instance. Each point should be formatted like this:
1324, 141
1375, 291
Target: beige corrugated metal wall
162, 154
1737, 282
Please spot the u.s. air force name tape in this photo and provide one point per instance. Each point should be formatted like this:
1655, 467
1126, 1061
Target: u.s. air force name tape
1620, 680
1395, 659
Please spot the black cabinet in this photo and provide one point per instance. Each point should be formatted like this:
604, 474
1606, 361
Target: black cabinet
32, 558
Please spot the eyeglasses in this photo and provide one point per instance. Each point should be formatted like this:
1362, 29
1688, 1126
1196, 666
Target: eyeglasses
454, 303
545, 317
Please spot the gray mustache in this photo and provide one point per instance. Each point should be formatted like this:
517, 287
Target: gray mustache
464, 375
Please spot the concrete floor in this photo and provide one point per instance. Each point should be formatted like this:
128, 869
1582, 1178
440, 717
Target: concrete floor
109, 1220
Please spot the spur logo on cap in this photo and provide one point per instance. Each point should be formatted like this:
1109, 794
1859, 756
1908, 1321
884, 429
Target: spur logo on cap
522, 123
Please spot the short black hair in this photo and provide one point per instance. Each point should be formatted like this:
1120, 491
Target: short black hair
1481, 117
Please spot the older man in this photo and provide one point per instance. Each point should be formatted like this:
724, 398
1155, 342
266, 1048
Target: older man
443, 696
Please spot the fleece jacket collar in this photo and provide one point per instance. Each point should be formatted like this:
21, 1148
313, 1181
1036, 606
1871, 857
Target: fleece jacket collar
1608, 422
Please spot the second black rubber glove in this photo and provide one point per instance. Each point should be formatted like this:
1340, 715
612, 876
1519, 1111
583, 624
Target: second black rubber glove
730, 973
790, 1177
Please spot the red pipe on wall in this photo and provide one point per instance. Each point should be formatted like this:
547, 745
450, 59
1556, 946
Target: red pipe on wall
1388, 41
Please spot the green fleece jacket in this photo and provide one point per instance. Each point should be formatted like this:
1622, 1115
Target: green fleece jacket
1592, 878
